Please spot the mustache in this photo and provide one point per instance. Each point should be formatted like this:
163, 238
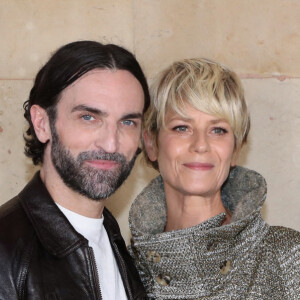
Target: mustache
101, 155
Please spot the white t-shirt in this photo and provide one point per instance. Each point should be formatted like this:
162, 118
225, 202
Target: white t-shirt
93, 230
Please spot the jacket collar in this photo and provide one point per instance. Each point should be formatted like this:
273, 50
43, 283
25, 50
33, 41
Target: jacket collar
53, 229
243, 194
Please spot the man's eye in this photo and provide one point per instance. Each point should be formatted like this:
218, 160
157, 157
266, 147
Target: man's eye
128, 122
180, 128
88, 118
219, 130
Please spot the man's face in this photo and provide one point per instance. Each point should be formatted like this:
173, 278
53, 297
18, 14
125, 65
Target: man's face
97, 131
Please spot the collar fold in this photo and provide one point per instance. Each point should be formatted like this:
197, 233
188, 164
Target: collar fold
52, 228
243, 194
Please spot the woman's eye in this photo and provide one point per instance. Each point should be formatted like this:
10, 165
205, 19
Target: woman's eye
180, 128
88, 118
219, 130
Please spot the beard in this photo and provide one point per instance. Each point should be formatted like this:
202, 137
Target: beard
93, 183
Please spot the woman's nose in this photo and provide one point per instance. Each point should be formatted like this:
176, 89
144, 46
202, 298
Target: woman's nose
200, 142
108, 138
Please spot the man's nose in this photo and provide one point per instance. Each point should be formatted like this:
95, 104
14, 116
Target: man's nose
108, 138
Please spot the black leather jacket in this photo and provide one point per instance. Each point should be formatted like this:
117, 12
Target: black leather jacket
43, 257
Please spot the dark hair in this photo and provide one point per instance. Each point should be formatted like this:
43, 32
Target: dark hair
66, 65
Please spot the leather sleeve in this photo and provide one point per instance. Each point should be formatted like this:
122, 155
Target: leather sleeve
15, 247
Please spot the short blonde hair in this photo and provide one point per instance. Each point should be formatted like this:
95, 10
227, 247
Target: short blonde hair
204, 84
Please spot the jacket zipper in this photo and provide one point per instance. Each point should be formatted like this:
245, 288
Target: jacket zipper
124, 269
95, 272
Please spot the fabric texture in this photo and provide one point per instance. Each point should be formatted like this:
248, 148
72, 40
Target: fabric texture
43, 257
246, 259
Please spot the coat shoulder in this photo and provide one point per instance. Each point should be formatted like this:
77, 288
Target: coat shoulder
284, 244
16, 231
14, 223
283, 239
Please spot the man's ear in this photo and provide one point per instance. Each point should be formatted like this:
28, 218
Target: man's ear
40, 121
150, 145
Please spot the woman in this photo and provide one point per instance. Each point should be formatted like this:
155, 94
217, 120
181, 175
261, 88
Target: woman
197, 232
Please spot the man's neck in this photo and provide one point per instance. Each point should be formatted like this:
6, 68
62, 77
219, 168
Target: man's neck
66, 197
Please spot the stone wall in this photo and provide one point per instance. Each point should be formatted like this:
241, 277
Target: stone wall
259, 39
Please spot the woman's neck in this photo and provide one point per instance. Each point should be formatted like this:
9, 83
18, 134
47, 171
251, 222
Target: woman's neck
185, 211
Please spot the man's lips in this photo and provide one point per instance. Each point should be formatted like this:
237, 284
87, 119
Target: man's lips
103, 164
199, 166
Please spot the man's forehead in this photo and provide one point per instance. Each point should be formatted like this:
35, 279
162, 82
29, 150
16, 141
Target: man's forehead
106, 93
102, 79
87, 75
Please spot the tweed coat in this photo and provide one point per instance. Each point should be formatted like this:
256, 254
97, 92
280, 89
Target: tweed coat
246, 259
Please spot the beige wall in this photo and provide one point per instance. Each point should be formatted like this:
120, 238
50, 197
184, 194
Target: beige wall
260, 39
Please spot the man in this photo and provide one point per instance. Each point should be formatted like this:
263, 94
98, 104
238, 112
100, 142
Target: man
57, 241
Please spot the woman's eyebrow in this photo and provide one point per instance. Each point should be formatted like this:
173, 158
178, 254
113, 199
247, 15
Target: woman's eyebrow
215, 121
179, 118
187, 119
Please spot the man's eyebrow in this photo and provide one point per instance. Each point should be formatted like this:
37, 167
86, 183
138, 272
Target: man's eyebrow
92, 110
132, 116
99, 112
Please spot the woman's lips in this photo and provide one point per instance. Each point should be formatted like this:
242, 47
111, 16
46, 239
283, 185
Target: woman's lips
103, 164
199, 166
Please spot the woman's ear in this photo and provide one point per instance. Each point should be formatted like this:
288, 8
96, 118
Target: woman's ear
235, 157
150, 145
40, 122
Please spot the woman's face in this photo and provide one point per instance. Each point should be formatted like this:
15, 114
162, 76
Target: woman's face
194, 154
